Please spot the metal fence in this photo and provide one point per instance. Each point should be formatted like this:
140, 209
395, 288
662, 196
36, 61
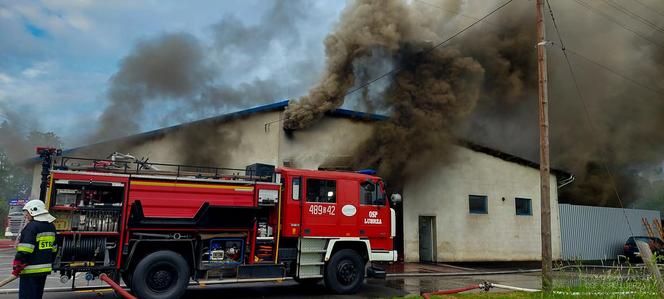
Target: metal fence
599, 233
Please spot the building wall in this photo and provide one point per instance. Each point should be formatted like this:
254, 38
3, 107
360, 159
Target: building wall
499, 235
331, 141
604, 230
232, 144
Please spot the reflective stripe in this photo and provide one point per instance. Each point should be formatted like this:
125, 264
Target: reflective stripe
38, 266
37, 270
25, 247
46, 238
55, 248
46, 234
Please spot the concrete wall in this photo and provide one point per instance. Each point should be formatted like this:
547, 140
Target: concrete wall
330, 141
234, 143
243, 141
500, 235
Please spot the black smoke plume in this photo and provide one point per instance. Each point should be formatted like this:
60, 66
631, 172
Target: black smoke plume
495, 92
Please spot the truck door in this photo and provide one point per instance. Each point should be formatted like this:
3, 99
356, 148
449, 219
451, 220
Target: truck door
374, 216
319, 207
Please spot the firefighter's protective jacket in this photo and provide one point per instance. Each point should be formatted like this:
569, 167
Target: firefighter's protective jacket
36, 249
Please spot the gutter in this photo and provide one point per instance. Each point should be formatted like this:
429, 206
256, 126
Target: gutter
566, 181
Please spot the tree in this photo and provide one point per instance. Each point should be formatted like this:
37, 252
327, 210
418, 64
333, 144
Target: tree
16, 180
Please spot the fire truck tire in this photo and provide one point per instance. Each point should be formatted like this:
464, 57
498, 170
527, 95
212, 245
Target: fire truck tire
344, 272
162, 274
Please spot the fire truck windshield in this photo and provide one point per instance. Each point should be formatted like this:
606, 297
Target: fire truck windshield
372, 194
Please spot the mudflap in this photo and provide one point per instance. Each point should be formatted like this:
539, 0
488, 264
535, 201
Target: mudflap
376, 272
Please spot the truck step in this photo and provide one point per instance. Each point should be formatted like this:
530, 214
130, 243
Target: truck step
312, 264
261, 271
314, 251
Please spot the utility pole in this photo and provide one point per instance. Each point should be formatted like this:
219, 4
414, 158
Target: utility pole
547, 264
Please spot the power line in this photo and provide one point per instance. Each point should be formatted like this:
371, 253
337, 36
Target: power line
398, 68
598, 64
458, 13
614, 20
590, 122
608, 69
649, 8
632, 14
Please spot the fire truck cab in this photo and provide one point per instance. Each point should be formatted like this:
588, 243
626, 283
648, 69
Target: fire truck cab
162, 230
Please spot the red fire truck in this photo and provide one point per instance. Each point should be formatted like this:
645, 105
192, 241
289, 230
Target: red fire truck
162, 227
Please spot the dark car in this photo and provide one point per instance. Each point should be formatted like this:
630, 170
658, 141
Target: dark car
632, 252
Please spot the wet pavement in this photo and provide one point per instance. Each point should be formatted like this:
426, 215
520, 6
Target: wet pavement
373, 288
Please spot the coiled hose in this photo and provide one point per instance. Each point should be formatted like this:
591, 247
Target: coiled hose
83, 249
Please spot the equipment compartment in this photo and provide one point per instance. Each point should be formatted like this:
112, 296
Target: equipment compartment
88, 223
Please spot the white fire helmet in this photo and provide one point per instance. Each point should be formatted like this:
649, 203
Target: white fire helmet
37, 210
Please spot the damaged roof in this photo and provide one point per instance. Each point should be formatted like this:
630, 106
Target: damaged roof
281, 105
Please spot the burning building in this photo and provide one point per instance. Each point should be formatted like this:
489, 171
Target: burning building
476, 204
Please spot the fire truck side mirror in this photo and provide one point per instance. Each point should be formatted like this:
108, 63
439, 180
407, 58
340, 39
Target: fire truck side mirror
395, 198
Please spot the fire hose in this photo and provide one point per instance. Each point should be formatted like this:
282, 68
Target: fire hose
485, 286
116, 287
7, 280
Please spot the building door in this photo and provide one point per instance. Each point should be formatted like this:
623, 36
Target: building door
427, 232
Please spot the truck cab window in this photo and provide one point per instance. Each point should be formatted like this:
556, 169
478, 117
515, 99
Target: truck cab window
370, 194
296, 188
324, 191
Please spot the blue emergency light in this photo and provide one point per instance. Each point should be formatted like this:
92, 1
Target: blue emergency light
367, 171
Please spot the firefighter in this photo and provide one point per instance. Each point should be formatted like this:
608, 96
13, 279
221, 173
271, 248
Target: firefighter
35, 251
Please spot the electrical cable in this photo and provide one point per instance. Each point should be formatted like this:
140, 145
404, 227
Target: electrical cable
605, 67
650, 8
590, 122
396, 69
614, 20
617, 6
613, 71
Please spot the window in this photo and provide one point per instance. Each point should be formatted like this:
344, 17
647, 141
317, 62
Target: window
296, 188
477, 204
371, 194
321, 191
523, 206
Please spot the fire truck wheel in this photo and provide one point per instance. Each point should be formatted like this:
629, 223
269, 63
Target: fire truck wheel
162, 274
344, 273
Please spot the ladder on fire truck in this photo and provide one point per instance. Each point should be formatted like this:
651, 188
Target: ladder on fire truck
127, 164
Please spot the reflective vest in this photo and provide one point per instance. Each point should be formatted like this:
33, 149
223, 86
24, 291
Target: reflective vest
36, 248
